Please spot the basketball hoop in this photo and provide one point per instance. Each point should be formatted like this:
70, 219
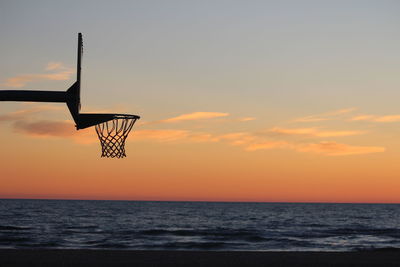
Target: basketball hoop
112, 129
113, 133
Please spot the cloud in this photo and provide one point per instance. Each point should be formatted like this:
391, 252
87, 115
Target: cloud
267, 145
161, 135
203, 137
23, 113
54, 66
201, 115
249, 142
55, 129
63, 73
237, 139
326, 148
325, 116
171, 135
24, 123
375, 118
337, 149
253, 142
246, 119
314, 132
45, 128
17, 115
195, 116
66, 129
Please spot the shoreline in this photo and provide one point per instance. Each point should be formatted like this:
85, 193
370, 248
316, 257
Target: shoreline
83, 257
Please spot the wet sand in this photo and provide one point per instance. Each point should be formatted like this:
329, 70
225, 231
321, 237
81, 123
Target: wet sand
42, 257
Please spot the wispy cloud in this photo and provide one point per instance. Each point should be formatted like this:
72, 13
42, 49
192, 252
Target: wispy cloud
23, 113
337, 149
45, 128
219, 117
55, 66
54, 129
312, 132
60, 73
171, 135
161, 135
375, 118
23, 122
254, 142
246, 119
326, 148
238, 138
325, 116
195, 116
249, 142
267, 145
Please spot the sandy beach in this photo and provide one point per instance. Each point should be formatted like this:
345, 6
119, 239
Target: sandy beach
23, 257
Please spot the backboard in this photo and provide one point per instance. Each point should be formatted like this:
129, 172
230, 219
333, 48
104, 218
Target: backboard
74, 92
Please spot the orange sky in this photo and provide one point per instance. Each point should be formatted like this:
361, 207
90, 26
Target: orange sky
177, 164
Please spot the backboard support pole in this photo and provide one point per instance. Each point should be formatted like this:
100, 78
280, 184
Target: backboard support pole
33, 96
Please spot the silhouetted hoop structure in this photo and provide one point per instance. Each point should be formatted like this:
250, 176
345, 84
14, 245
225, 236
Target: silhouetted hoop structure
112, 129
113, 133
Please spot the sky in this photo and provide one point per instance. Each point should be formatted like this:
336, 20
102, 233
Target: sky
281, 101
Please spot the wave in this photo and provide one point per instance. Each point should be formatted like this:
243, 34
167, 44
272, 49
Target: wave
216, 233
188, 226
13, 228
339, 232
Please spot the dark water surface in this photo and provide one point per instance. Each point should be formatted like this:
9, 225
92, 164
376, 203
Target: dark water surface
197, 225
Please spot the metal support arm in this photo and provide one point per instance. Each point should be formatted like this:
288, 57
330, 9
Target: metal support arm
33, 96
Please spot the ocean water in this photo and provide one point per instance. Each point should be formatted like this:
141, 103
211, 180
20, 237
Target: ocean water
139, 225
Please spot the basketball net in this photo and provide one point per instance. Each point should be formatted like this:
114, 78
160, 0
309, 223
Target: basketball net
112, 135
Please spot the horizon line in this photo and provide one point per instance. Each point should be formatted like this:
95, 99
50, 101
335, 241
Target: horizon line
203, 201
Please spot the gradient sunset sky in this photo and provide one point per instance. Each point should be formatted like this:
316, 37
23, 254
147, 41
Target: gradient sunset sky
294, 101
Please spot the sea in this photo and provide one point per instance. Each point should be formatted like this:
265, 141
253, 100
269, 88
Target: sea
148, 225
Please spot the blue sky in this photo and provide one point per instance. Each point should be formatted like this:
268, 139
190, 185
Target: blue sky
247, 57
